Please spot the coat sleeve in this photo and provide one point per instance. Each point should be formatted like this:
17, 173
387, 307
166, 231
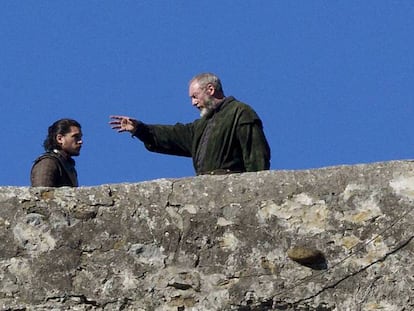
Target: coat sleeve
255, 148
45, 173
168, 139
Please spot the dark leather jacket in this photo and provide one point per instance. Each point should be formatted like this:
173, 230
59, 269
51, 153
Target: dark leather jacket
51, 169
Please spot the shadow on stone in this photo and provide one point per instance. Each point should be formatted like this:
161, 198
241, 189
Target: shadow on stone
309, 257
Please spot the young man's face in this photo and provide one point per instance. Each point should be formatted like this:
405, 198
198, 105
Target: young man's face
71, 142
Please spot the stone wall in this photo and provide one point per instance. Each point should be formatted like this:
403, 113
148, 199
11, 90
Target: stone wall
337, 238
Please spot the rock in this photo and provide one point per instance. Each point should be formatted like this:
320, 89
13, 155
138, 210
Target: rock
306, 255
214, 242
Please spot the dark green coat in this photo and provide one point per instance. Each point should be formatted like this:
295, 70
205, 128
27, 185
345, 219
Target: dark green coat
236, 141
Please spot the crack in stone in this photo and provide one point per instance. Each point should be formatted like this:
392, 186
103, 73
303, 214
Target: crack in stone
331, 286
170, 194
66, 297
367, 291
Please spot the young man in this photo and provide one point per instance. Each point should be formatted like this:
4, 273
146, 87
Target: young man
56, 168
228, 138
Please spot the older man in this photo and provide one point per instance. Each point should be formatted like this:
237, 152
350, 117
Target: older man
56, 168
228, 138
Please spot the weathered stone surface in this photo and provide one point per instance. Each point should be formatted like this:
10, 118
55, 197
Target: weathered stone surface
214, 242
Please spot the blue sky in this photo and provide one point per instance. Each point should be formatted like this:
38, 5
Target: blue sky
333, 81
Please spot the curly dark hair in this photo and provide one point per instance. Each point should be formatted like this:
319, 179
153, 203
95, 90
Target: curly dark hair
61, 126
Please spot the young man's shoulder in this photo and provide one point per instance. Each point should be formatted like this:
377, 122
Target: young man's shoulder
47, 160
47, 156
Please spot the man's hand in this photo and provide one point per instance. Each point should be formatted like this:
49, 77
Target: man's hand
123, 124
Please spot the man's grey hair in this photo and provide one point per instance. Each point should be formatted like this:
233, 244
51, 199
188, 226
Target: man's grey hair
208, 78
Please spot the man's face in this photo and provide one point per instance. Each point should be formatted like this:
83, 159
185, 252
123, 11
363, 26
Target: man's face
201, 98
71, 142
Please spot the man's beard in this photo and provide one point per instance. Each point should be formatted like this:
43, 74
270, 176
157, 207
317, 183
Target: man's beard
74, 152
206, 112
208, 109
